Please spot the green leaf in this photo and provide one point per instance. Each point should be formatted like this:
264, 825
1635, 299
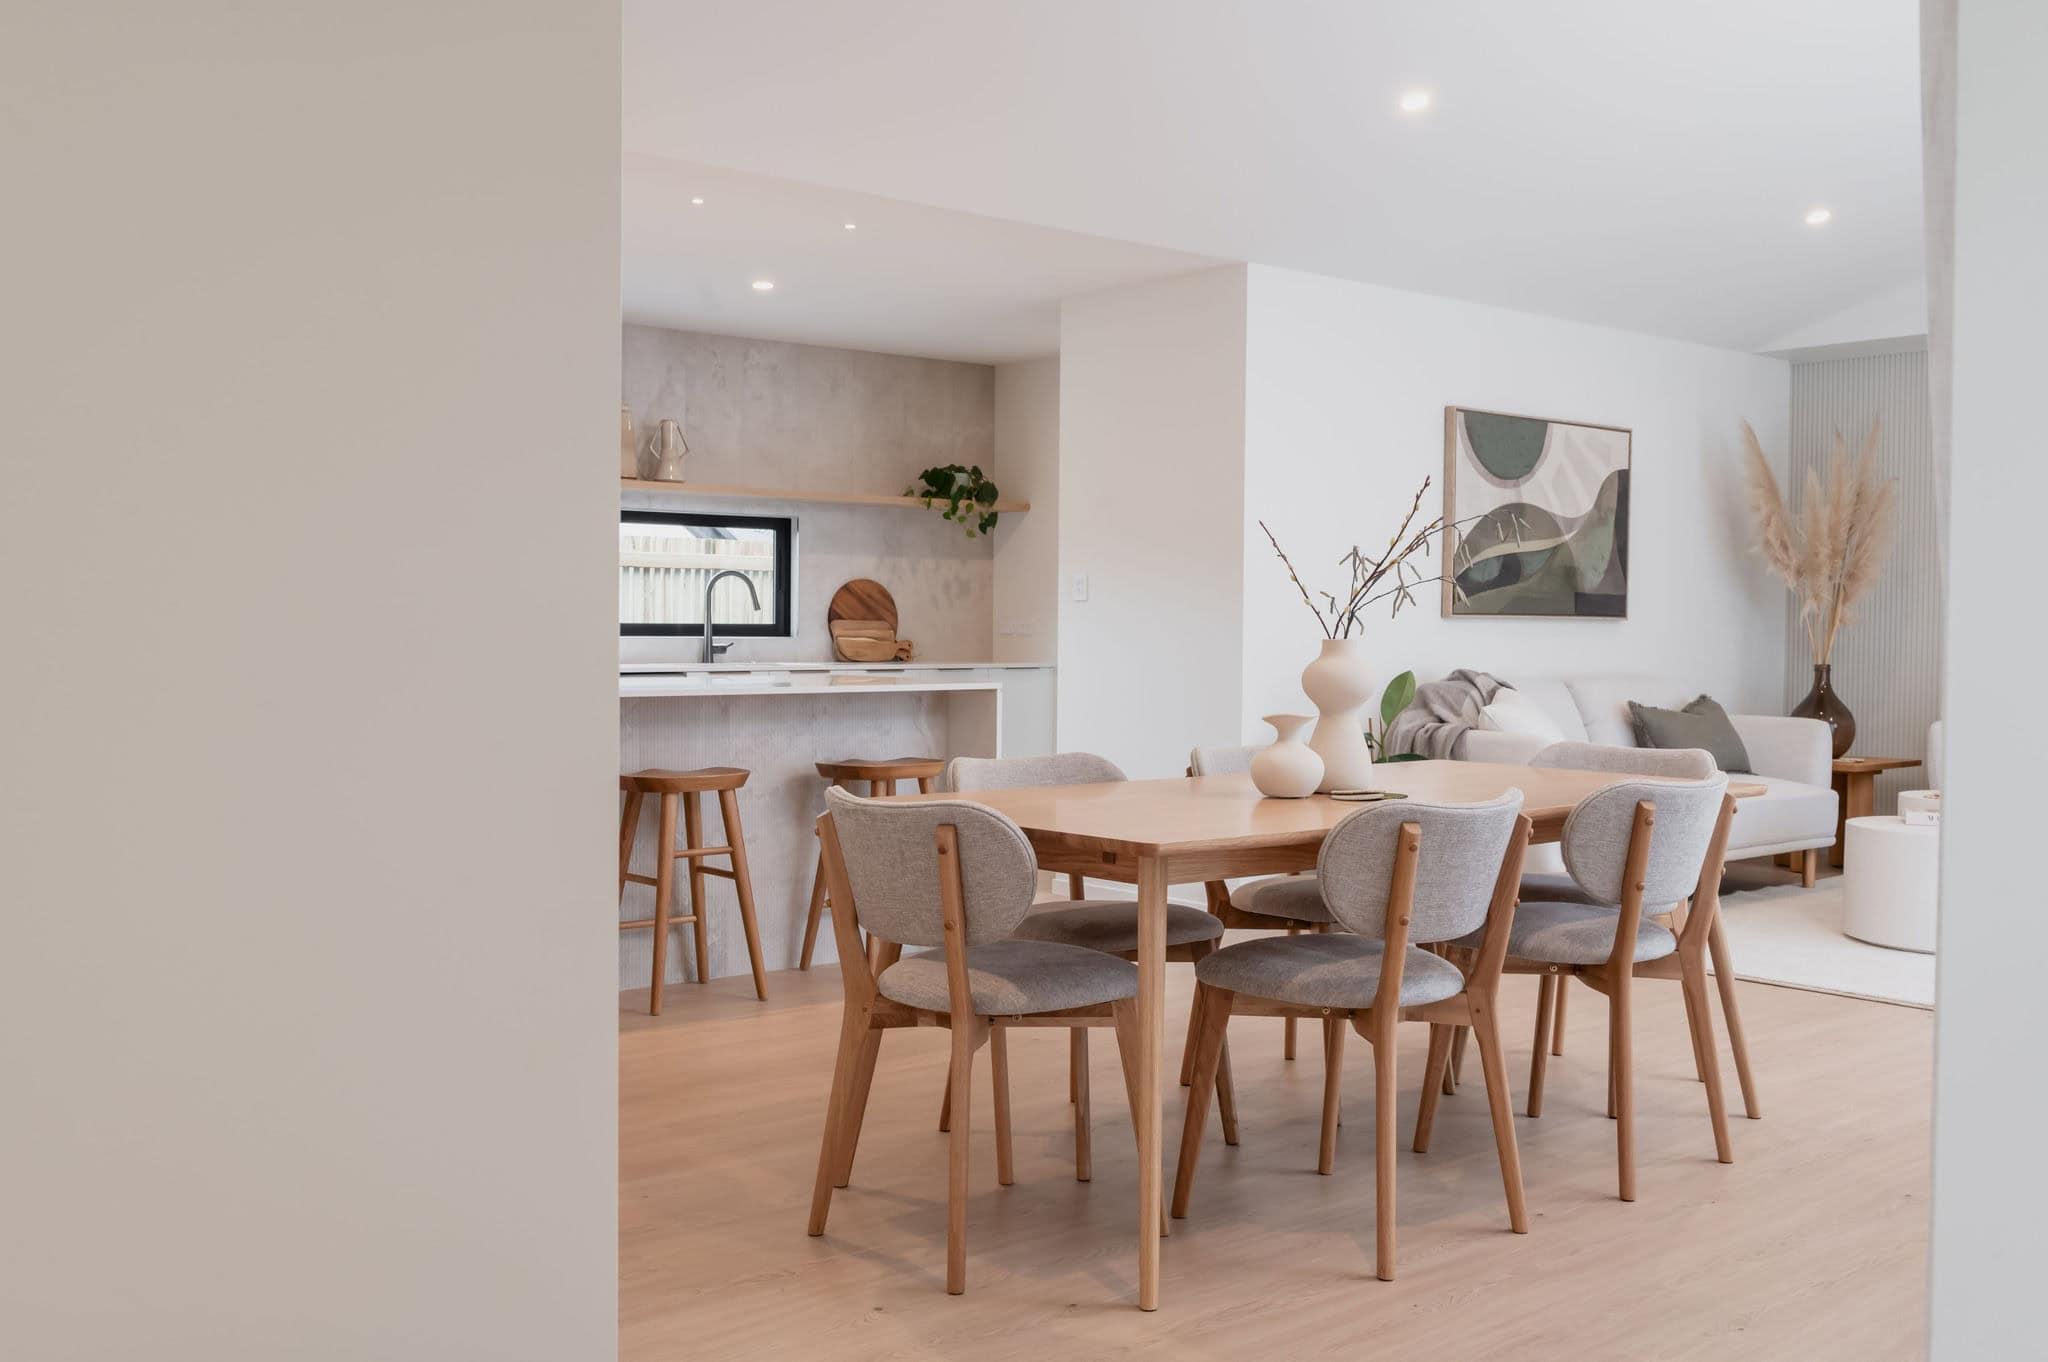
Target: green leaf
1405, 756
1395, 698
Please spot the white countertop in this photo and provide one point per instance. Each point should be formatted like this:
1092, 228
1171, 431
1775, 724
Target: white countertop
783, 681
646, 668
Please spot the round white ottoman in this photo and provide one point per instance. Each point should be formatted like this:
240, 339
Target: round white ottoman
1890, 881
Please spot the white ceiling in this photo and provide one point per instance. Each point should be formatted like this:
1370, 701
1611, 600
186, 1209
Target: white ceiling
908, 280
1640, 163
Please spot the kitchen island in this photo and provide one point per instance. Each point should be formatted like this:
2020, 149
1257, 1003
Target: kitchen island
778, 720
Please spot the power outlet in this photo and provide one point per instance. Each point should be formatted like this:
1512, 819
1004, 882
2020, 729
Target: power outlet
1080, 592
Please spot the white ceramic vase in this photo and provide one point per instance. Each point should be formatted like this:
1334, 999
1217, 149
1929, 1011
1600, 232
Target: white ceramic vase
1289, 769
1339, 683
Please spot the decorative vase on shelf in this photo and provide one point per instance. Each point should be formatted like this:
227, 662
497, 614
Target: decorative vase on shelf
1823, 704
629, 444
1339, 684
1289, 769
668, 450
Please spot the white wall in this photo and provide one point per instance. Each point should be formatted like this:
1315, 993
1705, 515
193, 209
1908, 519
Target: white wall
1990, 1182
1027, 462
1152, 384
307, 1015
1345, 391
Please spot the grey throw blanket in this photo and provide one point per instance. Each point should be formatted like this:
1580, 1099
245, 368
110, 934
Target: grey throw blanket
1441, 712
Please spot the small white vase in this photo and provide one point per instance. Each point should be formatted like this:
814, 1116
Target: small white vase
1289, 769
1339, 683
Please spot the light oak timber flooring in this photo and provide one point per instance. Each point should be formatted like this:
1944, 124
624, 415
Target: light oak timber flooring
1812, 1244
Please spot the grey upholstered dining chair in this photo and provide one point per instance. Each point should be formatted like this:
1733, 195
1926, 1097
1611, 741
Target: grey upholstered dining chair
1630, 849
1682, 763
1107, 925
1271, 903
1397, 876
953, 878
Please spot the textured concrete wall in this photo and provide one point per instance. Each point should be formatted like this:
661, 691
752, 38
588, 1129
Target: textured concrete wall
771, 414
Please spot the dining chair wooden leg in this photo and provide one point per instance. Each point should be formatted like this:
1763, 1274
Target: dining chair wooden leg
1226, 1092
1564, 982
1385, 1093
1692, 1030
1623, 1044
1539, 1046
856, 1107
1287, 1035
1464, 1034
964, 1039
853, 1030
1333, 1089
1129, 1046
817, 914
946, 1105
629, 828
1077, 1079
1731, 1017
1500, 1102
743, 881
693, 824
1432, 1083
1187, 1050
1692, 978
664, 899
999, 1077
1208, 1054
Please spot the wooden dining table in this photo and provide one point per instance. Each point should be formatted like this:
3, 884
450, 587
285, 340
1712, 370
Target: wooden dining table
1158, 833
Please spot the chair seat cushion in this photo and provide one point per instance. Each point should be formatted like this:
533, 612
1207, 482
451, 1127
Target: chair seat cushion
1577, 934
1013, 978
1298, 898
1333, 969
1112, 925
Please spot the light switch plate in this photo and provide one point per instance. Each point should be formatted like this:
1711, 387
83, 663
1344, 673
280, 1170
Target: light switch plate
1080, 586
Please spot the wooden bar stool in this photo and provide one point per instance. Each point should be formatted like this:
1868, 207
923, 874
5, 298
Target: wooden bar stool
684, 788
881, 778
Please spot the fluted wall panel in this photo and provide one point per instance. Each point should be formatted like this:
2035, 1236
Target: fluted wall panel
1887, 662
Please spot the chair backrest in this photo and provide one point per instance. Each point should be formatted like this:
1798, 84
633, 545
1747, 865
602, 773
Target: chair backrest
892, 867
1457, 864
966, 774
1679, 763
1597, 834
1221, 761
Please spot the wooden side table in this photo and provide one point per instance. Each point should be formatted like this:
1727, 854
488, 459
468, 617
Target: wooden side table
1856, 791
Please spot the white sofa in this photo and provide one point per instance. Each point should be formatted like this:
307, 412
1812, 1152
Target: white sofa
1792, 758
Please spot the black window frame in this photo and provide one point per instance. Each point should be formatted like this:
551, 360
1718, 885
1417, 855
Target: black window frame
781, 626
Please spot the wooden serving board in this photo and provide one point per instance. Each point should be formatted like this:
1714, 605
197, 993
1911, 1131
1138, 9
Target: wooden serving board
861, 599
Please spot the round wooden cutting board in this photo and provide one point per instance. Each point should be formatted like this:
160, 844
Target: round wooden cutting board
861, 599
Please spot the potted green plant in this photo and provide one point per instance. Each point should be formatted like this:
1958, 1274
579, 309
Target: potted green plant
1395, 698
968, 495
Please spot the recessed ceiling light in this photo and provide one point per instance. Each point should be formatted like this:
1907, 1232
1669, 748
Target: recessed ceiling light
697, 199
850, 226
763, 285
1819, 217
1415, 101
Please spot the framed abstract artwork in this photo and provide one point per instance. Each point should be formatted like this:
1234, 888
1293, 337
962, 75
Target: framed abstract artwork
1536, 517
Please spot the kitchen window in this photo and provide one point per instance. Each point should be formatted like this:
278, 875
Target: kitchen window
666, 559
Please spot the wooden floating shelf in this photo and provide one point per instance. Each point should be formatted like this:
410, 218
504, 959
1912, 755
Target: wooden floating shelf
706, 489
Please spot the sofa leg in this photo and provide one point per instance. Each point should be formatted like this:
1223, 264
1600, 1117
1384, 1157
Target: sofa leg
1809, 868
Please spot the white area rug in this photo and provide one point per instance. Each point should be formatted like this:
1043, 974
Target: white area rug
1782, 934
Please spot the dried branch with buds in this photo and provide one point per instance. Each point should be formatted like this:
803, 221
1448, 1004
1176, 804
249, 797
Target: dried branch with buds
1369, 576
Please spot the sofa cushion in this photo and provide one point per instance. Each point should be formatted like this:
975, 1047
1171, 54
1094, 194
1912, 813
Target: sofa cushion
1702, 724
1786, 811
1602, 703
1514, 712
1554, 699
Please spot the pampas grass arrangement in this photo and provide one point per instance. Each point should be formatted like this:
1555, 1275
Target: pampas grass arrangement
1830, 551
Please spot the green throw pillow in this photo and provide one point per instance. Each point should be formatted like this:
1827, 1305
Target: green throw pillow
1703, 723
